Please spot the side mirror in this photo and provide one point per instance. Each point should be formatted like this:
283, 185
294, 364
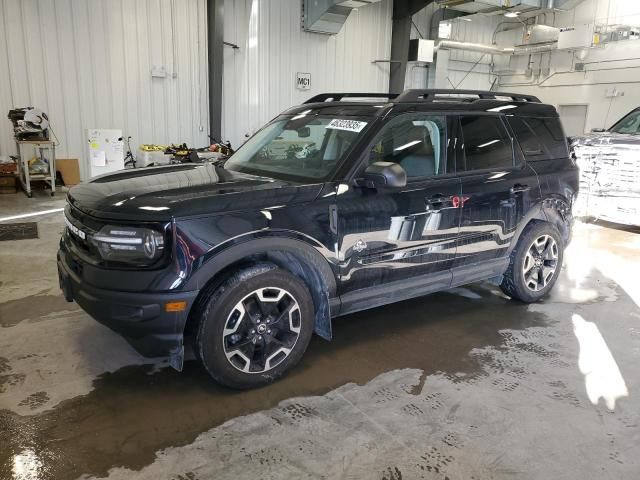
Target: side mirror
598, 130
304, 132
385, 174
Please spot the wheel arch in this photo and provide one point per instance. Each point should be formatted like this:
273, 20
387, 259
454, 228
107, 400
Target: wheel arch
555, 210
295, 256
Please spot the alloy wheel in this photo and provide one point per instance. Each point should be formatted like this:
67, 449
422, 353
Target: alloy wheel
540, 262
262, 330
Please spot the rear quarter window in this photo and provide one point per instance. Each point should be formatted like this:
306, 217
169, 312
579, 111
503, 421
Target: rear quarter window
539, 138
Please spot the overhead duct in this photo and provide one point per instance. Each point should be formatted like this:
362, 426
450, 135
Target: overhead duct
492, 7
328, 16
495, 50
537, 39
473, 47
562, 4
531, 49
525, 8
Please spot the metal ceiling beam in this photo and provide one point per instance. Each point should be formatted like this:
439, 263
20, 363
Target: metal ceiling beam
400, 36
215, 43
409, 7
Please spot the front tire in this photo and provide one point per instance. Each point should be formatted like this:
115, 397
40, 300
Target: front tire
535, 263
255, 327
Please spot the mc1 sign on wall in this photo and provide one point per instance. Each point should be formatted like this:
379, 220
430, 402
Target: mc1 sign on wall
303, 81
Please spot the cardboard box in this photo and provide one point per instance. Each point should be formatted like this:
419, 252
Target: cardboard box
8, 167
8, 183
69, 169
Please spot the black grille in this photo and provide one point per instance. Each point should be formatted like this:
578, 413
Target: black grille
84, 226
89, 222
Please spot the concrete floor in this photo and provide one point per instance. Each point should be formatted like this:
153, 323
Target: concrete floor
461, 385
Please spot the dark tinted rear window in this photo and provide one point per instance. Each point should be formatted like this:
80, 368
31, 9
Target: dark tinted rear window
486, 143
540, 138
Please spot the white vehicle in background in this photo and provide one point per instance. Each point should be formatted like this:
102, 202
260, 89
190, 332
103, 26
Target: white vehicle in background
609, 162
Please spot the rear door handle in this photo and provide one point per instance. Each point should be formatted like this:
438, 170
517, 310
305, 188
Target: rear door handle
533, 152
517, 188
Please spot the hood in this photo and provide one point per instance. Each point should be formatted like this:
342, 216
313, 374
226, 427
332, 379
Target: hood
606, 139
163, 193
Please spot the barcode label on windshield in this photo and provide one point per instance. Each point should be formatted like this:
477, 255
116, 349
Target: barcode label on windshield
350, 125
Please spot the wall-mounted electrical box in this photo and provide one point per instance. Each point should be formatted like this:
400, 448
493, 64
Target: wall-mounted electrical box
158, 71
613, 92
421, 50
578, 36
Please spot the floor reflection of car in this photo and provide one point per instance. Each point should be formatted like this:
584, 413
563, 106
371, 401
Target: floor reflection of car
609, 162
335, 206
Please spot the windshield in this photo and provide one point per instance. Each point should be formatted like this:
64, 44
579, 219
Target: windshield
629, 125
302, 148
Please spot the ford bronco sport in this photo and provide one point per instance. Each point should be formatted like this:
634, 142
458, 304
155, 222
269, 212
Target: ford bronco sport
345, 203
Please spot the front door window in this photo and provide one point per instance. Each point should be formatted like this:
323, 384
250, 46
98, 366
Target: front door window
417, 143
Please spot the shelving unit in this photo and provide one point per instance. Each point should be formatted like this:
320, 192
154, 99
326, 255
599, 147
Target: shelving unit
40, 146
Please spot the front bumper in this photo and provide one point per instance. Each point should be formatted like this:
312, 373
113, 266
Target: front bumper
139, 317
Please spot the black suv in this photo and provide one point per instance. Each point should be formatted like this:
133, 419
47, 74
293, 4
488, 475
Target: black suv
345, 203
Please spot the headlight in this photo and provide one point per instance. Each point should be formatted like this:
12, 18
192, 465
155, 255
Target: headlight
129, 244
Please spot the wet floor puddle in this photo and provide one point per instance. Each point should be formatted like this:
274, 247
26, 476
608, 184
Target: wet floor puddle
134, 412
15, 311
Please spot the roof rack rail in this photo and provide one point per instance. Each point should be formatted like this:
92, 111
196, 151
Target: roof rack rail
336, 97
428, 95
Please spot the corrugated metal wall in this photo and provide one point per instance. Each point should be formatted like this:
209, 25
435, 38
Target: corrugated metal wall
259, 77
87, 63
470, 70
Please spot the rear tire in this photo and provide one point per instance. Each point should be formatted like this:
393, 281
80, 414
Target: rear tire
255, 327
535, 263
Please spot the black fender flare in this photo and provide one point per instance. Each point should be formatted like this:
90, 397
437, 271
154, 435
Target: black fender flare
296, 256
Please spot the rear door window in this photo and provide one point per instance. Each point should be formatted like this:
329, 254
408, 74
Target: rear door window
539, 138
486, 144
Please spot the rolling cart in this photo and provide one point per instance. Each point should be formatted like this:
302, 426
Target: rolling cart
40, 147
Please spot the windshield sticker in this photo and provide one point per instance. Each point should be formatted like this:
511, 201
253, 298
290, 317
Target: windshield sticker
349, 125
